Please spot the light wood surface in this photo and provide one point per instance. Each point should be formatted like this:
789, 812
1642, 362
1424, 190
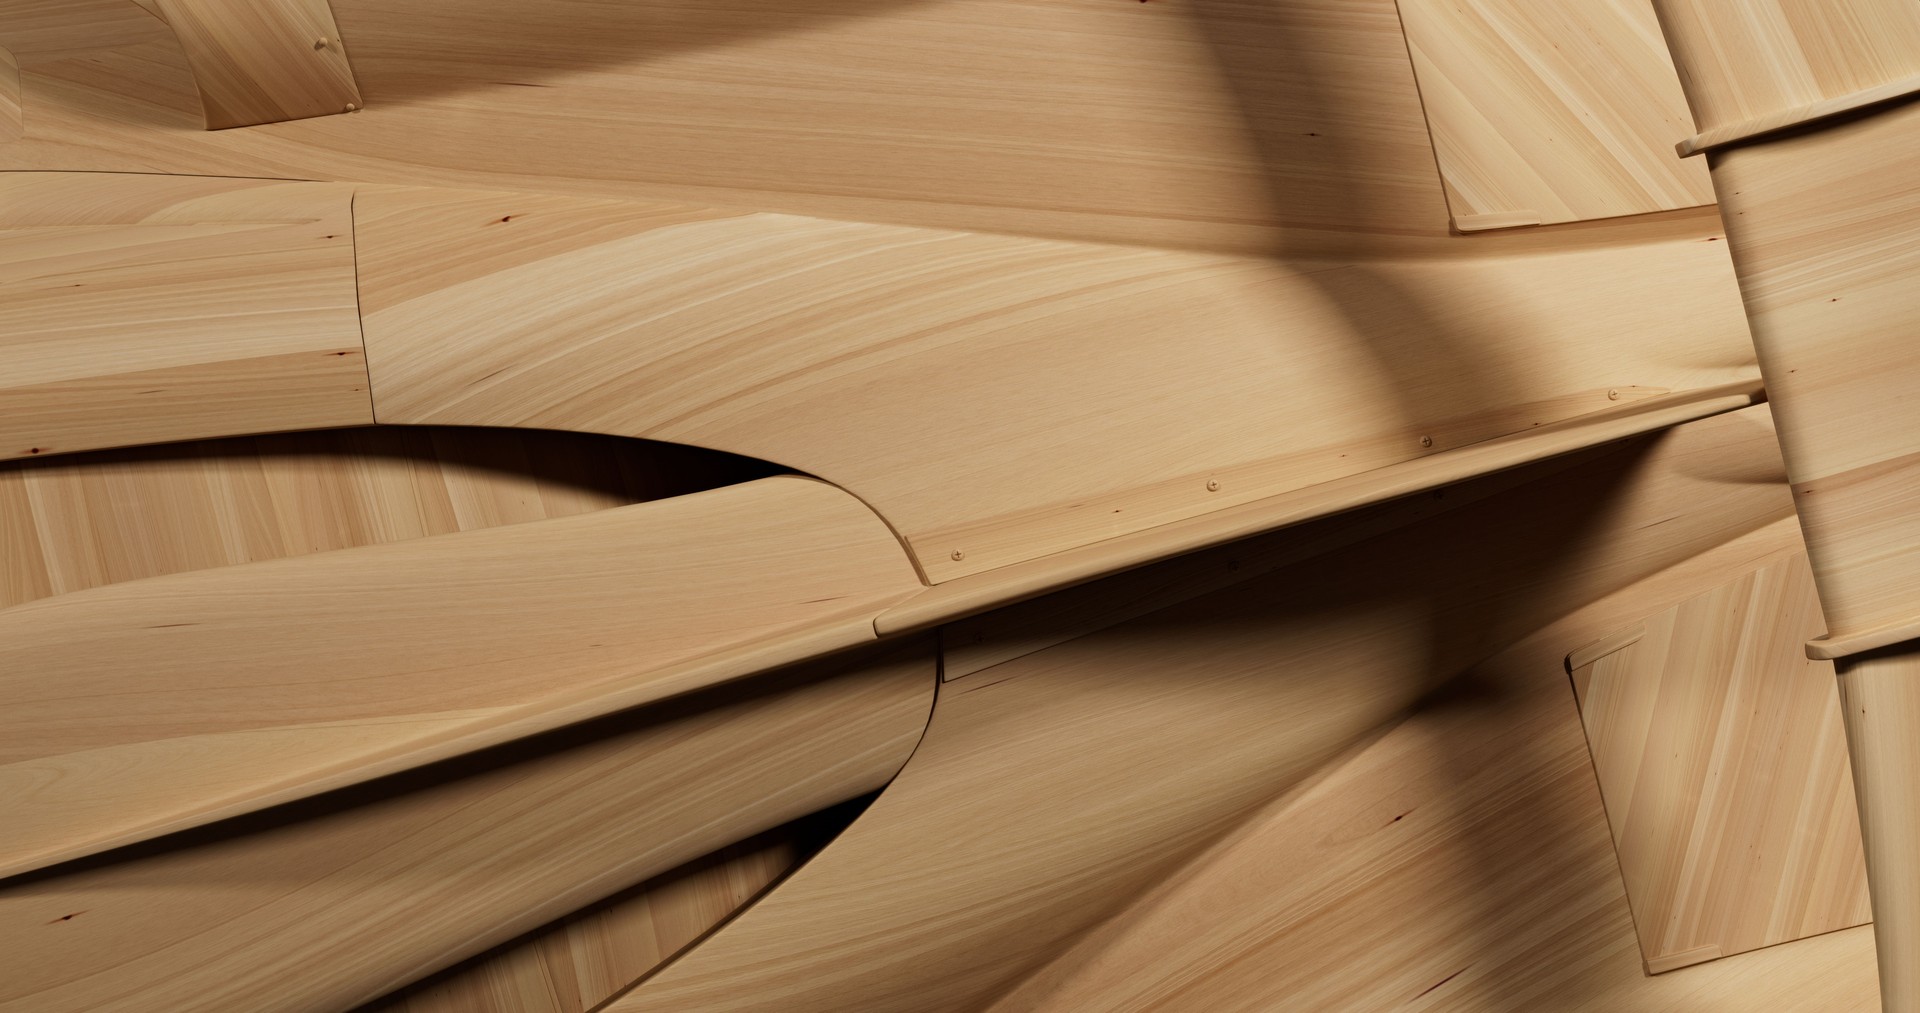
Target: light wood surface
1881, 703
923, 371
1797, 116
11, 128
1460, 861
1548, 111
142, 309
337, 901
572, 965
226, 684
1723, 765
1053, 787
1744, 61
261, 61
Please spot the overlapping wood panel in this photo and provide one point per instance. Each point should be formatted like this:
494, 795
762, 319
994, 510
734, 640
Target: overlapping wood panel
262, 61
1723, 765
143, 309
1548, 111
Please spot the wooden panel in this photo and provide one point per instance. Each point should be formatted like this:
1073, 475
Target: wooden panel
1828, 229
1723, 765
1251, 125
574, 964
141, 309
10, 112
338, 900
1551, 110
261, 61
1754, 60
228, 685
1461, 861
1053, 788
923, 370
86, 520
1880, 699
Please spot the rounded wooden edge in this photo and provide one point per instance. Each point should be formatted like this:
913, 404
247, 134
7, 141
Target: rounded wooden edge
1812, 112
1832, 648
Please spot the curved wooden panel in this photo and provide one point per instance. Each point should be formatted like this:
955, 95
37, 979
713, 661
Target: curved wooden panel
1055, 787
147, 706
145, 309
924, 371
261, 61
338, 900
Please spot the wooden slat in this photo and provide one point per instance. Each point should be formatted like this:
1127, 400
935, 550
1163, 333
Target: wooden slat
1053, 788
11, 121
1723, 765
142, 309
1880, 700
1548, 111
924, 370
336, 901
243, 686
262, 61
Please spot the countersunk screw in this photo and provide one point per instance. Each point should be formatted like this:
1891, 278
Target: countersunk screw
1426, 441
957, 555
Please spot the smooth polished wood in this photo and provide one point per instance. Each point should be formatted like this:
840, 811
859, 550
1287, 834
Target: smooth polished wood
1460, 861
1805, 115
262, 61
1053, 787
337, 901
225, 685
1723, 765
11, 128
1880, 700
922, 370
1548, 111
143, 309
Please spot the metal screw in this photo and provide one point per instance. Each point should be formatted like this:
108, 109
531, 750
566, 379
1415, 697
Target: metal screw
1213, 485
1426, 441
1613, 395
958, 555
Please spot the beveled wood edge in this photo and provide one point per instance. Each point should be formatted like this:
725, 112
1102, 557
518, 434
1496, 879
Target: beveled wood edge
1785, 119
1685, 958
1832, 648
976, 593
1584, 656
1496, 220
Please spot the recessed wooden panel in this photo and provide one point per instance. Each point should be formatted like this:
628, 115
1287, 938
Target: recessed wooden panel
144, 309
1723, 764
1551, 110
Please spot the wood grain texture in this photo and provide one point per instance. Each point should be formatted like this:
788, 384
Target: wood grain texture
572, 965
296, 909
1548, 111
924, 370
262, 61
11, 118
1460, 861
142, 309
1880, 701
227, 684
1723, 765
1246, 125
79, 521
1053, 787
1745, 61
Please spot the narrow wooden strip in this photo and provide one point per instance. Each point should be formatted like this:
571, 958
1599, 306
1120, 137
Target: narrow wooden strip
1832, 648
1661, 965
1593, 652
1786, 119
12, 122
1496, 220
242, 687
336, 901
970, 595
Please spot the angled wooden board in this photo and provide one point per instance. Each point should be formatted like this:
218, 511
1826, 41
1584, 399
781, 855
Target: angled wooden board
336, 901
999, 398
142, 309
237, 687
1723, 765
1547, 111
262, 61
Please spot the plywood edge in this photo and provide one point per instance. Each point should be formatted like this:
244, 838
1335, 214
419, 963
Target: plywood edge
964, 596
1810, 114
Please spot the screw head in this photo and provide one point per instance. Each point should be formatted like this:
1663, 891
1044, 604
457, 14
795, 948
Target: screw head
1613, 395
957, 555
320, 43
1426, 441
1213, 485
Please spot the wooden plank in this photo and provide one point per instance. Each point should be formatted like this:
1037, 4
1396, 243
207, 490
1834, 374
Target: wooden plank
923, 370
11, 120
142, 309
1053, 788
1880, 700
1723, 766
1547, 111
262, 61
227, 685
336, 901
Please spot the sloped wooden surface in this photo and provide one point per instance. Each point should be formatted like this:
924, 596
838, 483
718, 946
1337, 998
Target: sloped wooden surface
142, 309
262, 61
1548, 111
338, 900
1723, 764
226, 685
